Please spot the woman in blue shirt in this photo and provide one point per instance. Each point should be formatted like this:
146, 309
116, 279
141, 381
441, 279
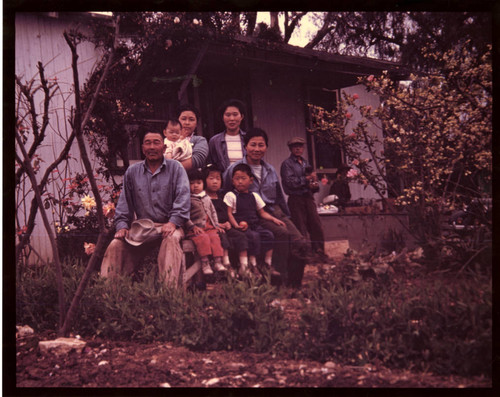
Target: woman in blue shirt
227, 147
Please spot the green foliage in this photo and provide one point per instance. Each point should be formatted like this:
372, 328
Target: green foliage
433, 154
365, 310
425, 325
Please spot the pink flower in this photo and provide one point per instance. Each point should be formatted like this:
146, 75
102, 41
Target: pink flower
352, 135
348, 115
352, 173
355, 162
370, 77
89, 248
324, 180
355, 96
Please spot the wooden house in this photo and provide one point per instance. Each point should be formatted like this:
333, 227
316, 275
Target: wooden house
276, 81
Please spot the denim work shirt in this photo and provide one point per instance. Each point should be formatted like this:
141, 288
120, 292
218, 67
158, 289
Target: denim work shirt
200, 150
293, 176
269, 187
217, 150
162, 197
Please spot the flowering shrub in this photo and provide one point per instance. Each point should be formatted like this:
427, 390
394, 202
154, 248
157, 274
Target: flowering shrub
436, 145
77, 228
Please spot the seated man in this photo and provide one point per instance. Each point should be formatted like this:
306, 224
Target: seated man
156, 190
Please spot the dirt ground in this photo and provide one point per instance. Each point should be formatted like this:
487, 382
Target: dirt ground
106, 363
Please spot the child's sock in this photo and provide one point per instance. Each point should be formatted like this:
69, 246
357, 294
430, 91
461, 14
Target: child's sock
205, 266
218, 264
253, 260
225, 258
243, 266
269, 258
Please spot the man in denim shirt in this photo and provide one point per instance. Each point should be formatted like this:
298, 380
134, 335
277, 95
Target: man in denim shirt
298, 184
155, 189
290, 247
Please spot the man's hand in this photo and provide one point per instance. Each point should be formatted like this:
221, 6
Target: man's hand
226, 225
121, 234
168, 229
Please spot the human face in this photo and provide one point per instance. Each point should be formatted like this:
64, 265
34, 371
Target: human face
256, 149
153, 147
297, 149
213, 182
172, 132
232, 120
242, 181
196, 186
188, 122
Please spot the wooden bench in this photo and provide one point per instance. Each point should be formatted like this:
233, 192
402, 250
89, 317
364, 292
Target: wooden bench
188, 271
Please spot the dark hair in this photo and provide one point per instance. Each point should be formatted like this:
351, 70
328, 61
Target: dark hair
195, 174
252, 133
212, 168
185, 108
150, 132
172, 121
243, 168
232, 102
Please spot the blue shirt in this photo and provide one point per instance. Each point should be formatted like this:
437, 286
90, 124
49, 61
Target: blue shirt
269, 187
162, 197
293, 176
217, 149
200, 150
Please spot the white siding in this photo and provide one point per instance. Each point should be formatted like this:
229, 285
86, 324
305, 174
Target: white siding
39, 37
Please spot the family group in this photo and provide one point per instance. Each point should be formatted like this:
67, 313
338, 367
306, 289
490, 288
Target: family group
221, 195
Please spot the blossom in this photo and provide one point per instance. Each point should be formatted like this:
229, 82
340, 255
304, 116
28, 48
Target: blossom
176, 20
89, 248
348, 115
352, 173
324, 180
355, 162
109, 210
195, 21
88, 202
370, 77
355, 96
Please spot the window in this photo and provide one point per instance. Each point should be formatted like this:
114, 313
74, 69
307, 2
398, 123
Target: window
325, 157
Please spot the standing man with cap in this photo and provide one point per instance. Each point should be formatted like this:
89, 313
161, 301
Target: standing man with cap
156, 191
300, 182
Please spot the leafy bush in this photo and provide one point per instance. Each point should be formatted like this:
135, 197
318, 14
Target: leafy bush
365, 310
429, 324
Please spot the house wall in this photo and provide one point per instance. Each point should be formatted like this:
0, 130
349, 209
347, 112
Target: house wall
39, 38
278, 109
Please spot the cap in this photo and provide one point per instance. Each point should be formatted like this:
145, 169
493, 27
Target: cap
296, 140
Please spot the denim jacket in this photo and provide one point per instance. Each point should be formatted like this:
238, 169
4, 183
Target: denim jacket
217, 150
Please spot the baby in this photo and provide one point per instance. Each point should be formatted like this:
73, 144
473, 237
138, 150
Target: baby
244, 210
178, 148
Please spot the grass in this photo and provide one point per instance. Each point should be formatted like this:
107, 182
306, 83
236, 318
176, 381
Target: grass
359, 312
